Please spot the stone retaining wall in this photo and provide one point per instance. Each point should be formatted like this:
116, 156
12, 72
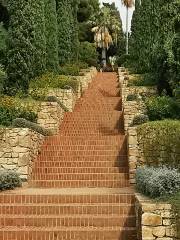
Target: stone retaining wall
154, 220
132, 108
50, 116
18, 148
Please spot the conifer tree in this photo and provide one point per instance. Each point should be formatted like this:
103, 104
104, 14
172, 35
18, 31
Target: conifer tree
52, 61
39, 40
64, 17
20, 49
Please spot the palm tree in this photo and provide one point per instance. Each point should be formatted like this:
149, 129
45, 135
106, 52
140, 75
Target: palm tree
102, 36
128, 4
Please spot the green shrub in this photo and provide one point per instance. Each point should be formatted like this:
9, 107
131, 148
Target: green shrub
51, 80
88, 54
123, 60
8, 114
160, 142
156, 182
2, 79
146, 80
140, 119
23, 123
9, 180
132, 97
55, 99
162, 107
69, 69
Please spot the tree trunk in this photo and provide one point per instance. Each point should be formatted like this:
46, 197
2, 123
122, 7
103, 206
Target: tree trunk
127, 35
104, 56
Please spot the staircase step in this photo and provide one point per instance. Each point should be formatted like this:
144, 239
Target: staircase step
70, 233
67, 209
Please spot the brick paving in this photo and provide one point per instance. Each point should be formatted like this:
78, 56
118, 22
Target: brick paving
80, 187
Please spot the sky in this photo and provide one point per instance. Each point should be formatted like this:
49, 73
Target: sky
122, 10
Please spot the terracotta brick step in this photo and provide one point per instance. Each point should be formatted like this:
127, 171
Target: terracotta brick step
70, 233
84, 153
111, 140
92, 158
83, 134
78, 164
68, 170
68, 221
67, 209
81, 148
84, 176
79, 183
68, 196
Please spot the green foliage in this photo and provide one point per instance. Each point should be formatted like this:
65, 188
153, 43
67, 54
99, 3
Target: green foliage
88, 54
132, 97
162, 107
160, 142
157, 52
52, 80
140, 119
145, 80
9, 180
23, 123
8, 114
55, 99
69, 70
67, 30
52, 61
20, 49
156, 182
39, 37
3, 43
2, 79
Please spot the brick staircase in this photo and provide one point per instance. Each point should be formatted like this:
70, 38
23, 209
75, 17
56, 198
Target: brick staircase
80, 187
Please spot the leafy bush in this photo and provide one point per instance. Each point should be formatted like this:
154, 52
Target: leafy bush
123, 60
9, 113
156, 182
88, 53
9, 180
146, 80
23, 123
69, 69
52, 80
55, 99
132, 97
162, 107
2, 79
140, 119
160, 142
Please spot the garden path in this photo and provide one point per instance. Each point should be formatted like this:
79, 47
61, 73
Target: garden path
80, 184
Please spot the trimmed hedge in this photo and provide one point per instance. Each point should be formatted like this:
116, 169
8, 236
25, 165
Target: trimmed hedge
156, 182
9, 180
160, 142
23, 123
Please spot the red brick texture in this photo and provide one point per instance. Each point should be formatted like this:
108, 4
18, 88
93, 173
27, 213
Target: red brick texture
79, 188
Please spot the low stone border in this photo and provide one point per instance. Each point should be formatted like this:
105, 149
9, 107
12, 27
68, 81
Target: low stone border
154, 220
18, 149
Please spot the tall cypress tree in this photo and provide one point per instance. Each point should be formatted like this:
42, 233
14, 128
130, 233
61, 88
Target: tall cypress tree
20, 49
75, 30
52, 61
39, 40
64, 16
